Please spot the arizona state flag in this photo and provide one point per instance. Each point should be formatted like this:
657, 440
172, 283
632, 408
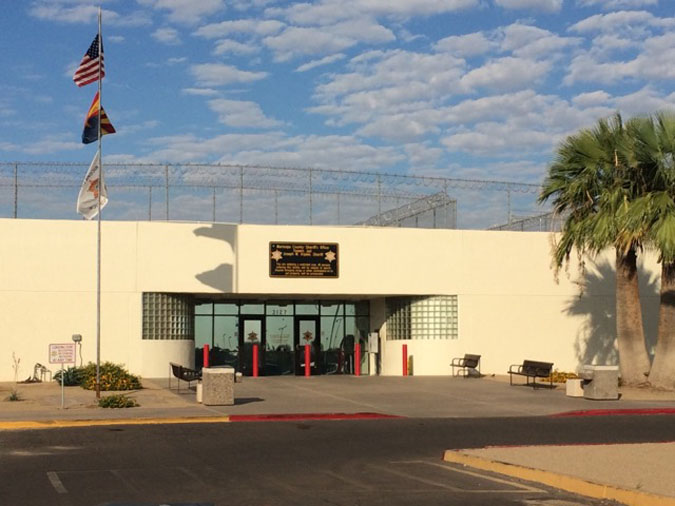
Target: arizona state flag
90, 133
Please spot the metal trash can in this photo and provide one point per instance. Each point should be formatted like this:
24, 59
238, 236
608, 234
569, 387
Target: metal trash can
600, 382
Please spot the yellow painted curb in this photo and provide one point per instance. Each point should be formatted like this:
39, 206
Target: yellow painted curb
561, 481
58, 424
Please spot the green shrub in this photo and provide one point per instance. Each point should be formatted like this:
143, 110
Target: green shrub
117, 401
113, 377
72, 377
14, 396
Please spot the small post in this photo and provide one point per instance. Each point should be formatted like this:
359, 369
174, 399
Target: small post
16, 190
405, 359
205, 361
308, 369
63, 391
357, 359
255, 360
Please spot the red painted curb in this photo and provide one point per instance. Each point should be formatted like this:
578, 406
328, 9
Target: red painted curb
309, 416
611, 412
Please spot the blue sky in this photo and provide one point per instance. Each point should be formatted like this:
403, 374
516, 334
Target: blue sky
481, 89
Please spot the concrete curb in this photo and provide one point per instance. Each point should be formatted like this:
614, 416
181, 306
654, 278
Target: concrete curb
560, 481
59, 424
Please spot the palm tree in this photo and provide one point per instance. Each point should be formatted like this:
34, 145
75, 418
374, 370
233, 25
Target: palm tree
652, 217
592, 180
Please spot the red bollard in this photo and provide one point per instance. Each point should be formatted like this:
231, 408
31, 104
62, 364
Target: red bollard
357, 359
308, 369
405, 360
205, 361
255, 360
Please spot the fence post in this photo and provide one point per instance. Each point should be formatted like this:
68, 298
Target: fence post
276, 207
214, 205
310, 196
166, 183
241, 194
379, 199
404, 350
16, 189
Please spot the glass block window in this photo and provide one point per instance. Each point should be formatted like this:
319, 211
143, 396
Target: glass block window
168, 316
422, 317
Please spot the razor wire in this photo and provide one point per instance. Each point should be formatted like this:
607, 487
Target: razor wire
350, 194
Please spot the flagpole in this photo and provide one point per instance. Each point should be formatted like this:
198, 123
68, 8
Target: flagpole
98, 235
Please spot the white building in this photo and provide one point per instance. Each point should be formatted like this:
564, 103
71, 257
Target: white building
169, 288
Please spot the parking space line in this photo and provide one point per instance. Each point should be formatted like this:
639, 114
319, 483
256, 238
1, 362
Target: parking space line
56, 482
421, 480
524, 487
349, 481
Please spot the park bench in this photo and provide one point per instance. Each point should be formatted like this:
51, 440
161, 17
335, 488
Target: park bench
532, 369
183, 373
468, 365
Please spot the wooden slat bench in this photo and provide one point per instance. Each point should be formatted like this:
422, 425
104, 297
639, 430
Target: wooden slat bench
532, 369
468, 365
183, 373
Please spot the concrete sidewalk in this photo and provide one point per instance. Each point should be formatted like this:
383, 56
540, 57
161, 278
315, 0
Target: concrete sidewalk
591, 470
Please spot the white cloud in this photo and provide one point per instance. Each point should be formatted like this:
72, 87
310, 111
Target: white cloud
471, 44
505, 74
532, 42
295, 40
318, 63
275, 148
330, 11
200, 92
176, 60
500, 139
542, 5
616, 4
84, 14
656, 61
50, 144
219, 74
167, 36
618, 22
226, 46
645, 101
258, 28
186, 11
115, 38
241, 114
591, 98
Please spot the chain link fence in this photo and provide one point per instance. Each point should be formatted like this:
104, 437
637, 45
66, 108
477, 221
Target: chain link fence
264, 195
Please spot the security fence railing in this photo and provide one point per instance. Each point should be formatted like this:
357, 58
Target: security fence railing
262, 194
547, 222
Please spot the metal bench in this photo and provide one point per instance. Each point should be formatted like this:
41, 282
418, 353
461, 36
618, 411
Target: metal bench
468, 365
183, 373
532, 369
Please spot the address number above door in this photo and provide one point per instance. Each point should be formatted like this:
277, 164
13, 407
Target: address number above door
303, 260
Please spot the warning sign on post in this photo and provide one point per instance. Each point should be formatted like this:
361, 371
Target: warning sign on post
62, 353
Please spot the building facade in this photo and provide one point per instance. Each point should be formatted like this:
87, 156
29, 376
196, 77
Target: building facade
168, 289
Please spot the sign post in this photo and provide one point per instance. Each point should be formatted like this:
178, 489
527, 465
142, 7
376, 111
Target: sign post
62, 354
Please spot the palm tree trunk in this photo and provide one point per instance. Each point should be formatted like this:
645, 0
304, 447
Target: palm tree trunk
662, 374
633, 358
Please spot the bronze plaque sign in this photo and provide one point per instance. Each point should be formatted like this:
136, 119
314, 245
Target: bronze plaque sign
303, 260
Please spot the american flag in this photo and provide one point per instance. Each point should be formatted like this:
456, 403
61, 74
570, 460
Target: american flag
87, 72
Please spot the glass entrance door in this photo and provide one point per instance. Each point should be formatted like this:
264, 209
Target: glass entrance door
307, 332
251, 332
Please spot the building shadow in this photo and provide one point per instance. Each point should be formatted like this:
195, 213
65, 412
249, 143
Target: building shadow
221, 277
595, 342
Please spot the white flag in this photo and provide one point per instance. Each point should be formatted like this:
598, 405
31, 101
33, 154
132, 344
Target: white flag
87, 200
